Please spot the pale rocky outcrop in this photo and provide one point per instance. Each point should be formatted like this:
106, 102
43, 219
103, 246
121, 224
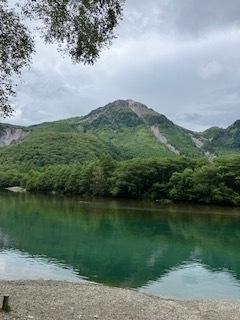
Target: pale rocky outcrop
10, 135
139, 109
198, 143
162, 139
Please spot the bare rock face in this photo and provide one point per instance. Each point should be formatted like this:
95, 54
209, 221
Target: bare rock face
11, 135
162, 139
140, 109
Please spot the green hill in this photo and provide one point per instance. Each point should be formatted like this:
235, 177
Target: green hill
225, 140
124, 129
138, 130
40, 149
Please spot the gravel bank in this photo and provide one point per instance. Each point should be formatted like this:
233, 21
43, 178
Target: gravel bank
51, 300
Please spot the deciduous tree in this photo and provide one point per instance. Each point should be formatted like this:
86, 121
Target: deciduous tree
81, 28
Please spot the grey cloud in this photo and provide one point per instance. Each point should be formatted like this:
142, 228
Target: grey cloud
185, 16
199, 16
201, 122
193, 80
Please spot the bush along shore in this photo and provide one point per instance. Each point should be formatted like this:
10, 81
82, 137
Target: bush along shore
179, 179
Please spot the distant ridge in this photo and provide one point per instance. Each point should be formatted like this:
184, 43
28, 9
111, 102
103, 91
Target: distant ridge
123, 129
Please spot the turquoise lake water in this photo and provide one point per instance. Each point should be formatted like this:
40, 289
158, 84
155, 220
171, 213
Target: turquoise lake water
179, 251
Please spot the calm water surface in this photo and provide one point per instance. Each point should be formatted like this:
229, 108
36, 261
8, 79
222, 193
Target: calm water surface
172, 251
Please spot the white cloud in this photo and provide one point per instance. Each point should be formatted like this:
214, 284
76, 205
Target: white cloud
210, 69
159, 59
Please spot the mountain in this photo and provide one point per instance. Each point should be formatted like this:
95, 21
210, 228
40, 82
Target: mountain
224, 140
138, 130
123, 129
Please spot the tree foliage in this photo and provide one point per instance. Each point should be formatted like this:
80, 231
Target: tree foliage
16, 47
82, 28
180, 179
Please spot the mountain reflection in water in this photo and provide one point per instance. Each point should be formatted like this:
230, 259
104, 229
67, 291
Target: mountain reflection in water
181, 251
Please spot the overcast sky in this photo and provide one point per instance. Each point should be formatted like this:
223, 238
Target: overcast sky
180, 57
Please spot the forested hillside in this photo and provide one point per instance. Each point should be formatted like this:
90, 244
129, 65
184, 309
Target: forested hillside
121, 130
123, 150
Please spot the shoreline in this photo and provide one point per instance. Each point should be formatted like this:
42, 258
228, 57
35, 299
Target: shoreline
89, 198
57, 300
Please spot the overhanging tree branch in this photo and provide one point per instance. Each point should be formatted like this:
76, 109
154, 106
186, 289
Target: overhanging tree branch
81, 28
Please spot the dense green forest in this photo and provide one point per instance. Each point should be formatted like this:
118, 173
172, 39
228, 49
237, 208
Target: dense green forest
123, 149
179, 179
122, 130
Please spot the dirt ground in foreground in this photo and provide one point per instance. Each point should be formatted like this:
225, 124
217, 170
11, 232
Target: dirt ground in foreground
52, 300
